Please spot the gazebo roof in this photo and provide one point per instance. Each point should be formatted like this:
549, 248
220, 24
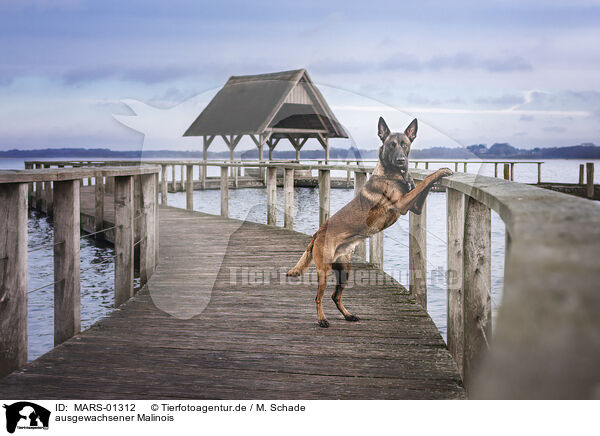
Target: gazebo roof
286, 103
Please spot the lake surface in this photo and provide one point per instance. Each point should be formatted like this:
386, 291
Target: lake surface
250, 204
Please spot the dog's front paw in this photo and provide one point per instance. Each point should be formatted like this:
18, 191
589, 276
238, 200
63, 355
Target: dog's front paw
443, 172
323, 323
293, 273
352, 318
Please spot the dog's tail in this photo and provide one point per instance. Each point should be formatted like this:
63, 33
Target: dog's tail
304, 261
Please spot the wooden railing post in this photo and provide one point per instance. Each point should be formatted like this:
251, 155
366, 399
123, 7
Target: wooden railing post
67, 290
137, 220
48, 196
110, 185
464, 167
124, 234
38, 191
539, 171
512, 171
495, 169
147, 228
204, 170
376, 250
173, 179
163, 185
506, 172
99, 197
324, 195
360, 179
13, 277
476, 285
30, 194
348, 175
288, 187
182, 177
225, 192
272, 196
455, 229
189, 188
156, 221
589, 169
417, 255
581, 173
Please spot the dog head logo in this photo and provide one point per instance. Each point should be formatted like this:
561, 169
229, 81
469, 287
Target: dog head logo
26, 415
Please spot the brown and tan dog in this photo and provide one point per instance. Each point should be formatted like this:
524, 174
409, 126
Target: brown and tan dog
389, 193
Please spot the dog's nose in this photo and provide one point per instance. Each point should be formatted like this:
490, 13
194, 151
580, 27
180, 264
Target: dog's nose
400, 161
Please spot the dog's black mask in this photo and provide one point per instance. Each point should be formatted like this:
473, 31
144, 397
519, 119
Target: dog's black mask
393, 153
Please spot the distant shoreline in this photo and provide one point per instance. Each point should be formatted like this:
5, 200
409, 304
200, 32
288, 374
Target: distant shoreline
496, 151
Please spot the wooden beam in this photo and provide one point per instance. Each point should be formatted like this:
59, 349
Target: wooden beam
376, 250
124, 234
589, 170
189, 188
288, 187
137, 213
163, 185
360, 179
13, 277
272, 196
99, 197
156, 221
147, 228
67, 290
417, 255
477, 307
455, 229
224, 192
324, 195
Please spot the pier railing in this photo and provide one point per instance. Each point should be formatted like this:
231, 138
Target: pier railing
135, 223
546, 343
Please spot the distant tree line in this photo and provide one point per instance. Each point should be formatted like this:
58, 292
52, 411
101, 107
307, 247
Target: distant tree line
496, 151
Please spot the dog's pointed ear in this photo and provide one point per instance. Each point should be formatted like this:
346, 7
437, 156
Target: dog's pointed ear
411, 130
382, 129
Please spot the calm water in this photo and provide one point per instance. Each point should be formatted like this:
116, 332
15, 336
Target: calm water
250, 204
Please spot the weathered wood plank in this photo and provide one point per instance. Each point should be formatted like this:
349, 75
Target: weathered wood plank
272, 196
288, 187
67, 289
99, 192
417, 256
224, 192
189, 187
455, 230
124, 239
477, 307
147, 228
163, 185
324, 195
360, 179
13, 277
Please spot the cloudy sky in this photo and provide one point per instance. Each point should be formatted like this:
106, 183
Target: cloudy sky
73, 73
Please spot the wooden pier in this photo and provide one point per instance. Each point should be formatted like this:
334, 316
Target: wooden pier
253, 340
253, 335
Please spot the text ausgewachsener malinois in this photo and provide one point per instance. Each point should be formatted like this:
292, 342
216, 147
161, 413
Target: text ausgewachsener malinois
389, 193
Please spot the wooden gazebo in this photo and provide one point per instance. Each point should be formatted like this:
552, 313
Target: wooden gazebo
268, 107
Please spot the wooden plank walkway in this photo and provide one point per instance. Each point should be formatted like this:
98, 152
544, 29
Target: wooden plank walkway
253, 340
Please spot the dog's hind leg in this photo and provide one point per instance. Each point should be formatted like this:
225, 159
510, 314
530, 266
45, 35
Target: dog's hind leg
322, 274
342, 270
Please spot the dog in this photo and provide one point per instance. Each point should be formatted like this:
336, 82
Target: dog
389, 193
